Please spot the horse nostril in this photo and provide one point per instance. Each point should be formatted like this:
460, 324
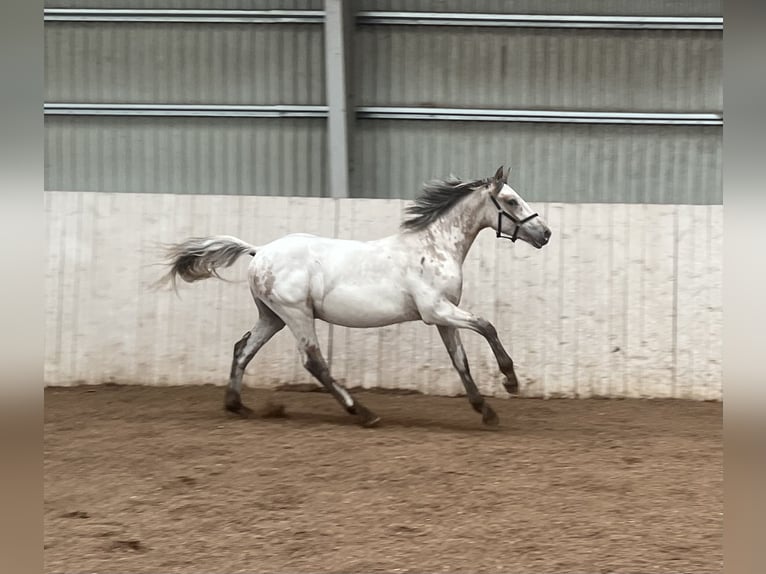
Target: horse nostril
547, 234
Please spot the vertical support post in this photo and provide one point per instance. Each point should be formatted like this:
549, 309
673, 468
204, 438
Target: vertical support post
338, 26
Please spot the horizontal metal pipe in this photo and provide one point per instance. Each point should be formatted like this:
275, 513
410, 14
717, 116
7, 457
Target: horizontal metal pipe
540, 20
202, 16
547, 116
385, 113
385, 17
185, 110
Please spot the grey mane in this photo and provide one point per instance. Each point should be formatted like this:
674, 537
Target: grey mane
438, 197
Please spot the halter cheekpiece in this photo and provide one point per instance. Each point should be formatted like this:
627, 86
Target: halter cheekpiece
517, 222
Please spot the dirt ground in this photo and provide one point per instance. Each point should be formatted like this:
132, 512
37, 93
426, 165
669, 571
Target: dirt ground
142, 479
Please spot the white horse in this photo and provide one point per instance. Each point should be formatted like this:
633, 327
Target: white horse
413, 275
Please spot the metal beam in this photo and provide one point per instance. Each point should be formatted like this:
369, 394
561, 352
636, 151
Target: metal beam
386, 113
196, 16
385, 18
539, 20
340, 109
538, 116
184, 110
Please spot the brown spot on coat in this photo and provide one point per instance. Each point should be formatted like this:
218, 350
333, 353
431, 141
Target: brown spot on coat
264, 284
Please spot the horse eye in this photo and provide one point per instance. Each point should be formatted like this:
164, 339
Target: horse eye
513, 202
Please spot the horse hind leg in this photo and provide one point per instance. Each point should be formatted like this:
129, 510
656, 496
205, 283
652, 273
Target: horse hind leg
244, 350
317, 366
301, 323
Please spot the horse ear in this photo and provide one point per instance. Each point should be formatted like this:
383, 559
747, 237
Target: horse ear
507, 175
499, 174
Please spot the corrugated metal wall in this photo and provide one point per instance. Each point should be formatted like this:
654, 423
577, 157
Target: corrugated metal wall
524, 68
247, 156
552, 162
506, 68
605, 70
184, 63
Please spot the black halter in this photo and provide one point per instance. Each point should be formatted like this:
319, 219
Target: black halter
517, 222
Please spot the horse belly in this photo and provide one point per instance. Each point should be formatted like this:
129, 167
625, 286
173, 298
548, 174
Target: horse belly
365, 306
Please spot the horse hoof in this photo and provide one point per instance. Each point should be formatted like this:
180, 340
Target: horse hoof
511, 384
371, 421
244, 412
489, 417
367, 418
239, 409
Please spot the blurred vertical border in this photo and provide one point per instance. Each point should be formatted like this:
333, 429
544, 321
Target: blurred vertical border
21, 295
744, 300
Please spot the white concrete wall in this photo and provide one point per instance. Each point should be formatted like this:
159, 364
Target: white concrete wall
625, 301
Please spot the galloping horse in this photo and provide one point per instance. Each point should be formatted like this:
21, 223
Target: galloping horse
413, 275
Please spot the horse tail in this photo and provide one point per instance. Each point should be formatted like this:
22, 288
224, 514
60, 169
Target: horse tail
201, 257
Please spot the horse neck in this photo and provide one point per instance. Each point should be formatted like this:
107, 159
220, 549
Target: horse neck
455, 231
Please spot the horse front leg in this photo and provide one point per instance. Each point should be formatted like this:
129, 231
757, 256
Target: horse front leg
451, 338
446, 314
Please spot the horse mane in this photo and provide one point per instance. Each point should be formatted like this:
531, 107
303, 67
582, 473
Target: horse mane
438, 197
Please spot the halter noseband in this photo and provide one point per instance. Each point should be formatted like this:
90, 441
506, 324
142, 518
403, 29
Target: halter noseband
517, 222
